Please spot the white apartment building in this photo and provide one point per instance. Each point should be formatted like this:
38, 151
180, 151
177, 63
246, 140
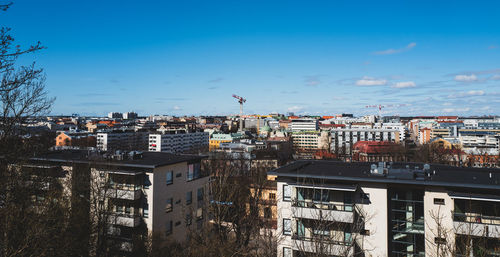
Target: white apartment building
122, 140
344, 138
330, 208
303, 125
144, 194
480, 142
178, 141
311, 140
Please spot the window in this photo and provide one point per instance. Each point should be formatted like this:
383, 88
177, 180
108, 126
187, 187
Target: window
170, 177
272, 196
145, 210
268, 213
119, 209
190, 173
287, 193
200, 194
189, 197
169, 206
189, 219
199, 214
439, 201
147, 182
287, 252
128, 210
168, 228
287, 227
440, 240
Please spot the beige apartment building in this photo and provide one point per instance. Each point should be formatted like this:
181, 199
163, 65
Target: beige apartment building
139, 194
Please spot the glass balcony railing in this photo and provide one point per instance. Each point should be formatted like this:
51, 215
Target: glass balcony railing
323, 205
320, 238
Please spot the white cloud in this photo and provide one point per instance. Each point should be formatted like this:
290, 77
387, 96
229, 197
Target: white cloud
395, 51
295, 108
467, 94
404, 84
368, 81
448, 110
312, 80
177, 108
466, 78
447, 104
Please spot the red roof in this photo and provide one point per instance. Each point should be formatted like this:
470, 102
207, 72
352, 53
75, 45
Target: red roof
374, 146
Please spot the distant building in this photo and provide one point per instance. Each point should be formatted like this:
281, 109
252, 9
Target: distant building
373, 151
217, 138
122, 140
115, 115
130, 115
297, 125
75, 139
178, 141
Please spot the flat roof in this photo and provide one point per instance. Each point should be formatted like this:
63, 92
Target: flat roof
438, 175
148, 160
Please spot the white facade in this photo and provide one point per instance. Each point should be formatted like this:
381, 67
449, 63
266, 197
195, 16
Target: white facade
177, 142
343, 139
303, 125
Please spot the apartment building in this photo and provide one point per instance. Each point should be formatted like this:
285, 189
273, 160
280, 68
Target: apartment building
178, 141
140, 194
386, 209
344, 138
297, 125
311, 140
122, 140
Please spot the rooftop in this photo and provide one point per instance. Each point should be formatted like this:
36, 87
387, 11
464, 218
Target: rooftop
398, 173
146, 159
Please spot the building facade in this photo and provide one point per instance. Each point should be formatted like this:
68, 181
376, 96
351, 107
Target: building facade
381, 209
178, 141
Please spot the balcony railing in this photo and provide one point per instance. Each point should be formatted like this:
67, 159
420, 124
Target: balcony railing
122, 219
476, 218
320, 238
323, 205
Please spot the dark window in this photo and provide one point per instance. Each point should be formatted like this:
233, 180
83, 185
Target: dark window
440, 240
189, 197
439, 201
168, 228
170, 177
169, 205
200, 194
272, 196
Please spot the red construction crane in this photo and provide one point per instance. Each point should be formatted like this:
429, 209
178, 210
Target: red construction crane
241, 100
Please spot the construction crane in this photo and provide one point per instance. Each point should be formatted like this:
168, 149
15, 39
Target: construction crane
241, 100
380, 107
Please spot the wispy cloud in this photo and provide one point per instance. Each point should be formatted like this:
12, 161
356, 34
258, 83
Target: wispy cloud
369, 81
467, 94
114, 81
295, 108
395, 51
466, 78
215, 80
212, 88
288, 92
177, 108
448, 110
495, 77
404, 84
493, 47
312, 80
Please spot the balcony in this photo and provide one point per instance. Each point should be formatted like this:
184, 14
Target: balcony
124, 192
324, 244
127, 220
323, 210
476, 225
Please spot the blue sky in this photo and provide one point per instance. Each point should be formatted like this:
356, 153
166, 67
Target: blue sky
310, 57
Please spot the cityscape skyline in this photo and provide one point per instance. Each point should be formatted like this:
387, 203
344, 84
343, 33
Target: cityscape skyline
423, 58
